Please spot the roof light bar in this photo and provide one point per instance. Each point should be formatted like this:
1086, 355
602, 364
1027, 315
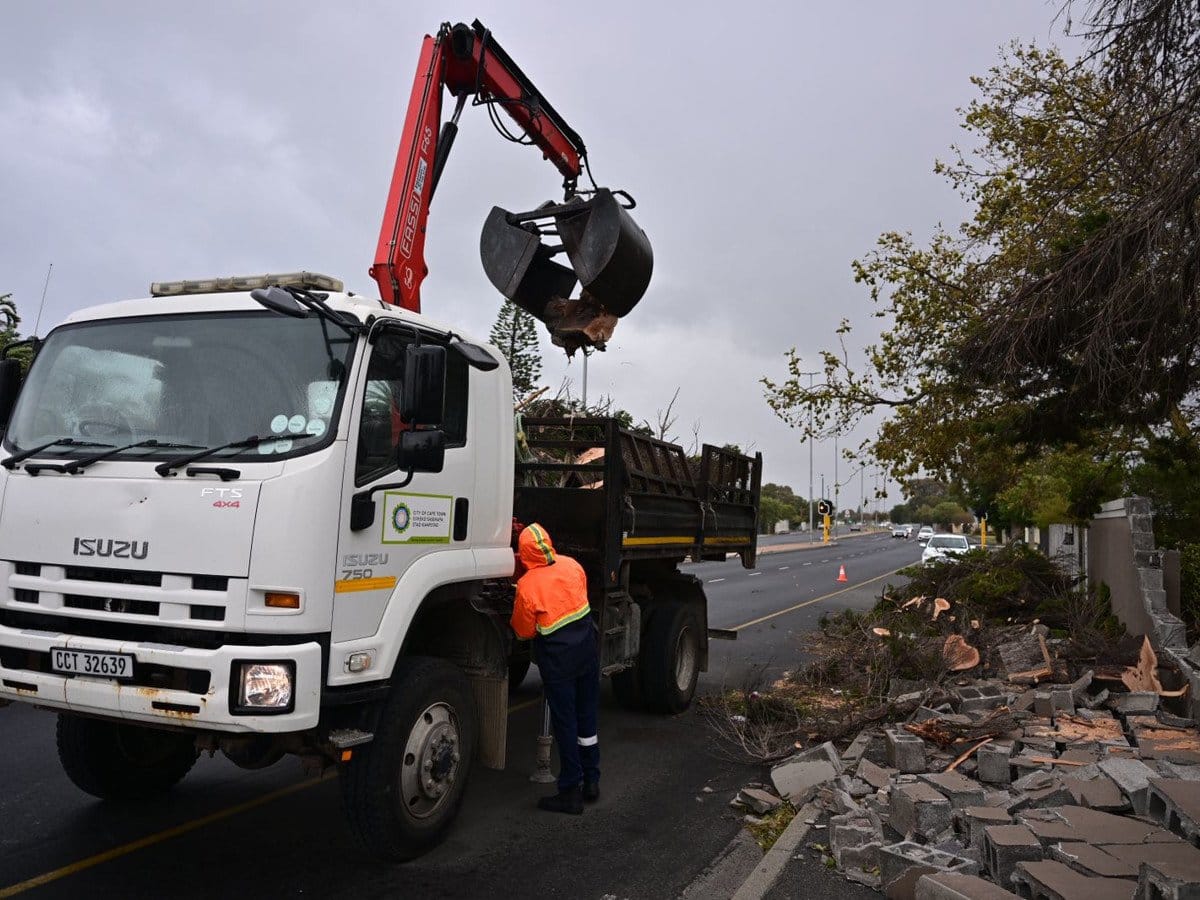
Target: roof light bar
306, 280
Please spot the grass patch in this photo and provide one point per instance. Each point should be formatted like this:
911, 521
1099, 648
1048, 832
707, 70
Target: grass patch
767, 832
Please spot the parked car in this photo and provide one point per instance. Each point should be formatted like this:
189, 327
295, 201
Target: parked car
924, 534
941, 546
900, 531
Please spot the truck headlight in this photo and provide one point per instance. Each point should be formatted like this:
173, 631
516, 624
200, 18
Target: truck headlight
264, 687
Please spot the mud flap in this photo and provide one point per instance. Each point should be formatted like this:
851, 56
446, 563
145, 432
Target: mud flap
491, 706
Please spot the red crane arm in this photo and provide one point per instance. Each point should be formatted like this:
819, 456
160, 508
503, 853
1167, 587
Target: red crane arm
467, 61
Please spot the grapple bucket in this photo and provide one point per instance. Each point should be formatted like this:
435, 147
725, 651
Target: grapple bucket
520, 265
609, 254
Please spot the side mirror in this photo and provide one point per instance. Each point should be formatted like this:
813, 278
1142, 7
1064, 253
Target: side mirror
422, 451
278, 300
423, 396
10, 387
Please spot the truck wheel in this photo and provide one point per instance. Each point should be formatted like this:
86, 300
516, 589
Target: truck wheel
403, 790
122, 762
670, 658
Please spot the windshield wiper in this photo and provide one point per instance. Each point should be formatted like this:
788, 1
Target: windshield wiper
33, 451
164, 468
80, 464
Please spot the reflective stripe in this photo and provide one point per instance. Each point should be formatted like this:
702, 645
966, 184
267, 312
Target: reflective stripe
540, 538
565, 620
589, 741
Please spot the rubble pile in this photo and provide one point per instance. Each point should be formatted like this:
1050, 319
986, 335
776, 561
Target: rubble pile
1028, 783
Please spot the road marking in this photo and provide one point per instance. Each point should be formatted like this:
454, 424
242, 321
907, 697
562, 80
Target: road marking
167, 834
752, 574
781, 612
715, 580
784, 568
808, 564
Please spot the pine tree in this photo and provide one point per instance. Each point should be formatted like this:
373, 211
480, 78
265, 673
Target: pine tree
515, 333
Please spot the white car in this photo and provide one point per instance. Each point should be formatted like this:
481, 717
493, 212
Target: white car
899, 531
924, 534
941, 546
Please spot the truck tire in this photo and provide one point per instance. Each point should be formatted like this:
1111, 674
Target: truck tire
115, 761
670, 659
403, 790
519, 662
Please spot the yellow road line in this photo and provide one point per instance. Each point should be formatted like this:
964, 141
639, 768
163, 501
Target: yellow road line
159, 836
781, 612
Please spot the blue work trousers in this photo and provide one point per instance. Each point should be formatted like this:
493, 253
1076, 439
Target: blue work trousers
573, 712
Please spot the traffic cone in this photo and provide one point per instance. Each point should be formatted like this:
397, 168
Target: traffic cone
842, 574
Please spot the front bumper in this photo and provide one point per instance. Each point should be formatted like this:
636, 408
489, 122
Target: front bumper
207, 709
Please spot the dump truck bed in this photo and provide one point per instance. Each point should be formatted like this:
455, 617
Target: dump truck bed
609, 496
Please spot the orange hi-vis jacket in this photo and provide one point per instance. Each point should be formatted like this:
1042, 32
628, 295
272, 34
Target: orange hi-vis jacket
553, 591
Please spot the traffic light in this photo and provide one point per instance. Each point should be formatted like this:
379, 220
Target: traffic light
824, 507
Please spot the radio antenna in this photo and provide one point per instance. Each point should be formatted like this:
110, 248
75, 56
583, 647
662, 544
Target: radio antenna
42, 305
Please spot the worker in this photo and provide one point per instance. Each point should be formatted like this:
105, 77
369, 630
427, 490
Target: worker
551, 607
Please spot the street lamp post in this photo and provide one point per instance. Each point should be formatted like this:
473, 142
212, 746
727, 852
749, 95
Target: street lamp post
812, 536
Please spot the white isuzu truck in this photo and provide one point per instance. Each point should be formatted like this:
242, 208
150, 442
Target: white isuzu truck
266, 516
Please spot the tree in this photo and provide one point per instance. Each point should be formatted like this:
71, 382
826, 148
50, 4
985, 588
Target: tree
515, 333
959, 409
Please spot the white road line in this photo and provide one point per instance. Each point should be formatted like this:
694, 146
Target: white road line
715, 580
808, 564
784, 568
752, 574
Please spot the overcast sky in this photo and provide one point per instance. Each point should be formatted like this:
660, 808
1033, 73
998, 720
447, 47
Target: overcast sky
767, 144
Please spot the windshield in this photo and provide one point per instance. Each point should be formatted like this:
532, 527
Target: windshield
955, 543
201, 380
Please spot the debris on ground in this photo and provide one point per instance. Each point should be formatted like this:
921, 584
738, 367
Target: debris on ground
1060, 763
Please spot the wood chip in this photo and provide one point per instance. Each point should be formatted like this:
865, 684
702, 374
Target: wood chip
965, 756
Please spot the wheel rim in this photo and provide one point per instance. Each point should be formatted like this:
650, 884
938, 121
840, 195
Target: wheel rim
685, 659
431, 760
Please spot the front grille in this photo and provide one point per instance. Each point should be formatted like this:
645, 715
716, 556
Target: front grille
111, 605
112, 576
173, 678
65, 585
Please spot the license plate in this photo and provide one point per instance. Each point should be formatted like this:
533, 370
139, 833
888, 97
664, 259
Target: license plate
91, 662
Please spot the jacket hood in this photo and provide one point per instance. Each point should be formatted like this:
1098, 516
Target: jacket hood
535, 548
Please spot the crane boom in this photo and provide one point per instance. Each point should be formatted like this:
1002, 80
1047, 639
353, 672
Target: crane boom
467, 61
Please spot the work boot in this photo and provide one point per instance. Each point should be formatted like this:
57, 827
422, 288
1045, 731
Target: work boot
569, 801
591, 791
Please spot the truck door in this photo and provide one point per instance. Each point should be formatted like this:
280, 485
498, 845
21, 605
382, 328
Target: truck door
408, 522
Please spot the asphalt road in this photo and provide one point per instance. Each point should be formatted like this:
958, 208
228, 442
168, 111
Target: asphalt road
224, 831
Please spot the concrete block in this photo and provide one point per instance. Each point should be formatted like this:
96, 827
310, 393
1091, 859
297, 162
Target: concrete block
759, 801
958, 789
906, 752
1062, 702
994, 763
1176, 804
953, 886
858, 748
895, 860
971, 822
1006, 845
1134, 703
1164, 881
797, 777
1132, 777
876, 776
1051, 880
848, 833
977, 699
1043, 705
1089, 860
1076, 823
1100, 792
919, 809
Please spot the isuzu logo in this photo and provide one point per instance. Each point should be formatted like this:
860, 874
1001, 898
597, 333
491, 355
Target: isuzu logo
110, 547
